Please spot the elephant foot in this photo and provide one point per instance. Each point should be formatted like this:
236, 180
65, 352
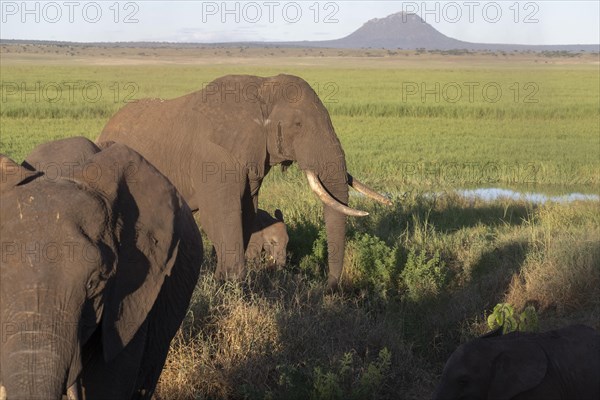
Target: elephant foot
333, 284
235, 273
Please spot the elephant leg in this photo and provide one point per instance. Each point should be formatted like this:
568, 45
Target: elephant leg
249, 207
230, 248
226, 234
221, 184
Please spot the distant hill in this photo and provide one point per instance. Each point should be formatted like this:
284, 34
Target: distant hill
396, 31
409, 31
405, 31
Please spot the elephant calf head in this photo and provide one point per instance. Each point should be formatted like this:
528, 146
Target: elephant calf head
559, 364
90, 257
269, 235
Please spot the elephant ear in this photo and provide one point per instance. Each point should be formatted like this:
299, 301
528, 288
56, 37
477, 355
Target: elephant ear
12, 174
520, 367
279, 215
61, 157
145, 213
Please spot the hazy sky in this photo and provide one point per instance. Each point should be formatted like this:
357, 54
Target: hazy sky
525, 22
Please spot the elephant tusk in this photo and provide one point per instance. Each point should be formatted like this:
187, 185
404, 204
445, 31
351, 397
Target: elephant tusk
317, 187
367, 191
2, 393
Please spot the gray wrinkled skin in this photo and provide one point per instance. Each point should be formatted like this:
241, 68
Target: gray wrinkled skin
217, 144
100, 255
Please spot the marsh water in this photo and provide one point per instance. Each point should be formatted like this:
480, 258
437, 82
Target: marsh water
492, 194
532, 196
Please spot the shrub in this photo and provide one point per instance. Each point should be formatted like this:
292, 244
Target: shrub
314, 264
371, 265
350, 381
423, 277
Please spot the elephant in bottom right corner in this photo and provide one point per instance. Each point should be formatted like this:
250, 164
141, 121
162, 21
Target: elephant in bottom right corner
269, 234
558, 364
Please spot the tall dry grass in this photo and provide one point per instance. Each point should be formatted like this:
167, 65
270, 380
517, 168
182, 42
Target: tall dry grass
562, 270
281, 335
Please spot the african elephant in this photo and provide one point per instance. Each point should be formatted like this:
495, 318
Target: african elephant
216, 145
559, 364
269, 234
99, 262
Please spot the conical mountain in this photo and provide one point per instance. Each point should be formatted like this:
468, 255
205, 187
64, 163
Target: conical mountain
400, 30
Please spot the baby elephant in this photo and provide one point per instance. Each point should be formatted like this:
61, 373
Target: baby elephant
269, 234
559, 364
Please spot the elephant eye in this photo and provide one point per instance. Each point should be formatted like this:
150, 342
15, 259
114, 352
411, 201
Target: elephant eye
298, 124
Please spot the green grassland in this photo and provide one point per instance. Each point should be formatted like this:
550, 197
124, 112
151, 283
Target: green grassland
394, 119
421, 276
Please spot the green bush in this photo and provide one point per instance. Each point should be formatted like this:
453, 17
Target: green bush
371, 265
320, 246
350, 378
350, 381
423, 277
327, 386
374, 376
314, 264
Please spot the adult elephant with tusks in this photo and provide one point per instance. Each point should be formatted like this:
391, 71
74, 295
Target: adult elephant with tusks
216, 145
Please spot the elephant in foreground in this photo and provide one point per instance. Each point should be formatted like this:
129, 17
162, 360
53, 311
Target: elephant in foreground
216, 145
561, 364
100, 255
269, 235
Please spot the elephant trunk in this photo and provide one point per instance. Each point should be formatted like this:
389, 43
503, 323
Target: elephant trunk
335, 183
335, 225
36, 358
330, 180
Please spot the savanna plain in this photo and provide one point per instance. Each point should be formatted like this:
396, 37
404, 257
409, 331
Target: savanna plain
420, 277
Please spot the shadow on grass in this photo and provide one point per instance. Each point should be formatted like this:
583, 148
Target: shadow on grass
456, 217
300, 342
446, 318
329, 347
443, 216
